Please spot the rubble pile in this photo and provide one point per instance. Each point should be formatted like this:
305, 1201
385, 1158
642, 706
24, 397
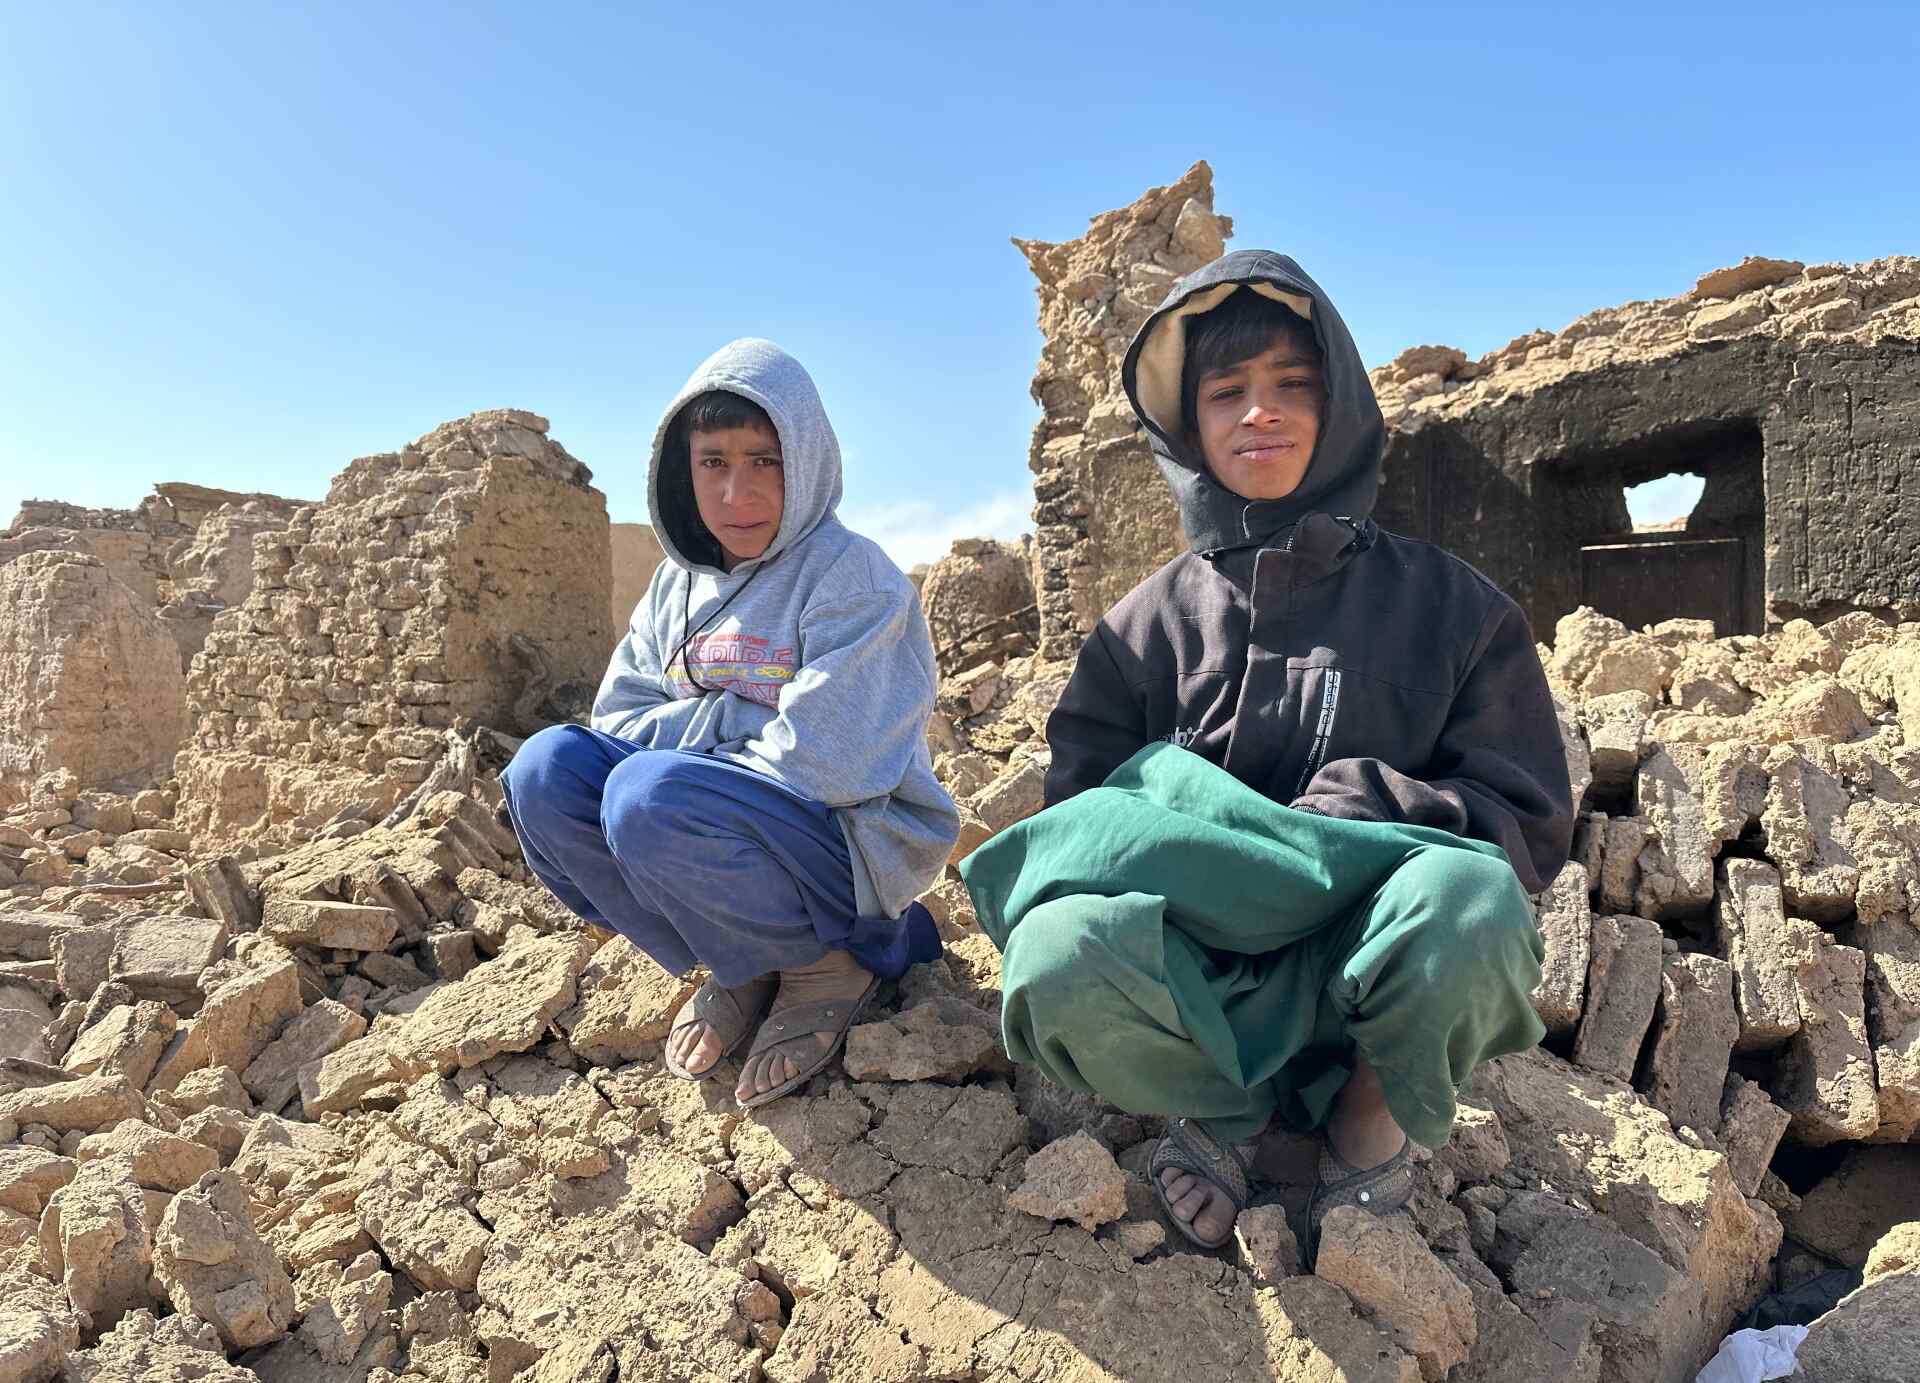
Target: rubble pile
465, 575
378, 1107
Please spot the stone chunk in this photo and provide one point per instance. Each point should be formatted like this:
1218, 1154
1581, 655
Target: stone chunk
96, 1237
341, 1305
222, 892
1073, 1179
337, 926
161, 1161
162, 957
627, 1005
212, 1264
1623, 986
1012, 797
1892, 948
423, 1230
1751, 1126
1392, 1276
503, 1006
1676, 868
240, 1018
1649, 1320
216, 1087
1755, 271
1268, 1251
274, 1075
126, 1041
1695, 1027
29, 1176
938, 1039
1566, 927
342, 1079
1750, 930
179, 1349
690, 1201
1589, 1138
87, 1104
1824, 1079
24, 1017
1616, 727
1806, 807
38, 1329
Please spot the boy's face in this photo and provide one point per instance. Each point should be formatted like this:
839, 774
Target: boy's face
739, 488
1258, 420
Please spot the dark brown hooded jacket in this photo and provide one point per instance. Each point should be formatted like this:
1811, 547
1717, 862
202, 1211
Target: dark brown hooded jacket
1327, 663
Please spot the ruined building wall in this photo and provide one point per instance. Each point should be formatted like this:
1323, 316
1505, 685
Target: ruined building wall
1102, 515
381, 615
636, 555
89, 679
1794, 391
185, 551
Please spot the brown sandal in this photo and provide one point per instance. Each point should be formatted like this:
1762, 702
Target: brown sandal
731, 1013
806, 1021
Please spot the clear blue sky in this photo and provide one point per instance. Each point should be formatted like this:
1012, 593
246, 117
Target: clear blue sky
243, 244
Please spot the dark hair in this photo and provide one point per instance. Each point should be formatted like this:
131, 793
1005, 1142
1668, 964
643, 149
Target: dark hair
714, 411
717, 410
1240, 328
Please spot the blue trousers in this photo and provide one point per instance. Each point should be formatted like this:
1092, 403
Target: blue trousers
696, 859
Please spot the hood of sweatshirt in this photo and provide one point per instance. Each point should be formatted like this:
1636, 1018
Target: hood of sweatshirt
1344, 474
760, 371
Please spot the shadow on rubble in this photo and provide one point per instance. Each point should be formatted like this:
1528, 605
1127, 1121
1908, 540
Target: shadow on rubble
877, 1212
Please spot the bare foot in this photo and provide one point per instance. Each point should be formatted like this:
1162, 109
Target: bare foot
836, 975
694, 1044
1198, 1203
694, 1047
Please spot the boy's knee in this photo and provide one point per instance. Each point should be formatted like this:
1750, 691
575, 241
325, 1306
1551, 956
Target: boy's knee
1054, 951
653, 797
547, 761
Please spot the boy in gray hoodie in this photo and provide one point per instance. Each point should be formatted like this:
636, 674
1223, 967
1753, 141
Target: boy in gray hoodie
755, 794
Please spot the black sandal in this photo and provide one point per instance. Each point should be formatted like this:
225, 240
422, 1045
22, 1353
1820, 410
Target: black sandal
1189, 1147
1377, 1190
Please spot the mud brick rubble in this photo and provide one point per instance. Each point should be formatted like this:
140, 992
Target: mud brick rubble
303, 1077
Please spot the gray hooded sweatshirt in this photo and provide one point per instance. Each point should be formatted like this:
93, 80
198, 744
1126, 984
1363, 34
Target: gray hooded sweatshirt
818, 649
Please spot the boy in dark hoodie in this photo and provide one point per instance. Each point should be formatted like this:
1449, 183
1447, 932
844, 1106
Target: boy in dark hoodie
1303, 779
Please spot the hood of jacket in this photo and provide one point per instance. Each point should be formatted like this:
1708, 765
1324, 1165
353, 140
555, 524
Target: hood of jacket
1344, 473
760, 371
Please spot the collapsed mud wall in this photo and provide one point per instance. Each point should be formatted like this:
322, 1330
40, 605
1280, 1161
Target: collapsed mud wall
380, 616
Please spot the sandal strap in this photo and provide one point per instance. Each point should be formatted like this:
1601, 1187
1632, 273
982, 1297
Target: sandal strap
1379, 1189
1189, 1147
804, 1020
721, 1008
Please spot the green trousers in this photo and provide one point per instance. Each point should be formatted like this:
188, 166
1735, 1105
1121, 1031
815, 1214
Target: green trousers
1178, 944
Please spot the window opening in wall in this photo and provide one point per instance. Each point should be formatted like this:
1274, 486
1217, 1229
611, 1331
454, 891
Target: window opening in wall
1669, 527
1663, 505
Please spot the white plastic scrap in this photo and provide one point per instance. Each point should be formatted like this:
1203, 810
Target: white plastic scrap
1754, 1356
